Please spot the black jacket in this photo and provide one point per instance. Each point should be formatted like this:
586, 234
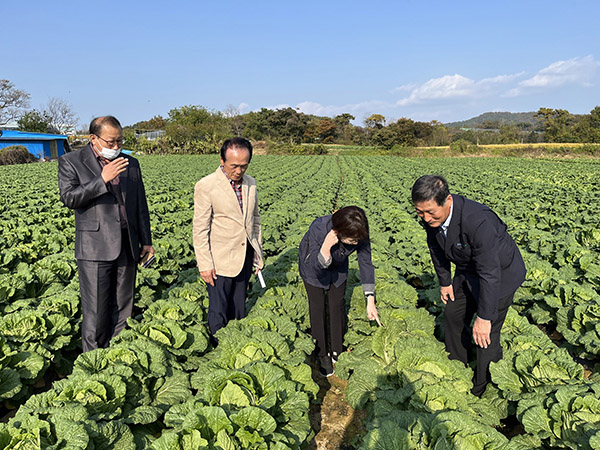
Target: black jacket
97, 219
313, 272
485, 255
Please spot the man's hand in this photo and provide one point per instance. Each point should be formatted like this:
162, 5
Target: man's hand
447, 293
209, 276
481, 332
146, 249
114, 168
371, 308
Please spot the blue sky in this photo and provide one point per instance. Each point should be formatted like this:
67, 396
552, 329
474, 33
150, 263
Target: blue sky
425, 60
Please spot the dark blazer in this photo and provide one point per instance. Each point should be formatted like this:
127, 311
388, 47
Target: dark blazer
311, 269
97, 219
485, 255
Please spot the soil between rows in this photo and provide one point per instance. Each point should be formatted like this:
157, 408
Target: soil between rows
336, 424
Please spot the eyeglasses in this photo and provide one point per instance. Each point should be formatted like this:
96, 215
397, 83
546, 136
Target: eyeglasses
111, 144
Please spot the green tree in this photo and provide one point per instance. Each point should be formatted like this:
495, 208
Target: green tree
281, 125
343, 127
34, 121
385, 138
490, 125
154, 124
375, 121
359, 136
289, 125
587, 129
343, 119
404, 132
439, 134
195, 129
557, 124
411, 133
257, 124
524, 126
464, 136
533, 137
508, 134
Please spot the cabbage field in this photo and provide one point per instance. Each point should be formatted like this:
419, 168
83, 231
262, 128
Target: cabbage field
160, 385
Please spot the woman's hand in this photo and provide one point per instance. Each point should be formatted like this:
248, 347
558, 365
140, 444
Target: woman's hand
330, 240
371, 308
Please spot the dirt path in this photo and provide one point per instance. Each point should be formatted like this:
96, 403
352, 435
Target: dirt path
336, 424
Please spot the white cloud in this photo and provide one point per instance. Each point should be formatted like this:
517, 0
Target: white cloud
452, 97
448, 86
500, 79
243, 108
579, 71
403, 88
456, 86
315, 108
356, 109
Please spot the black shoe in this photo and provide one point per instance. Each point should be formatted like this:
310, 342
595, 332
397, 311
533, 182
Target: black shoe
326, 368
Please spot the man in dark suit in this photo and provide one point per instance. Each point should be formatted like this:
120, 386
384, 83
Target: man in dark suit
488, 270
112, 228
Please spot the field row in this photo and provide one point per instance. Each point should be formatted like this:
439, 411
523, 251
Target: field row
153, 380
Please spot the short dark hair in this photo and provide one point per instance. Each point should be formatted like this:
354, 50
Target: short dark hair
97, 124
236, 142
430, 187
350, 222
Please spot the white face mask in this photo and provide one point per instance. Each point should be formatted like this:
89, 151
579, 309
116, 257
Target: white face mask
110, 153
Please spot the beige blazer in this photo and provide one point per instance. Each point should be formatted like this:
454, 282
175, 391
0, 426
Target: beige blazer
221, 229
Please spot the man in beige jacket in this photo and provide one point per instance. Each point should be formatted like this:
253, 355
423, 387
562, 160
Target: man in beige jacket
227, 236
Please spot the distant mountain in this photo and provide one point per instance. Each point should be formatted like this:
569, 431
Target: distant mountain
497, 117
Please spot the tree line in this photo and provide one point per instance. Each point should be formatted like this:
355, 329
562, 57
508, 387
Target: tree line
196, 129
190, 129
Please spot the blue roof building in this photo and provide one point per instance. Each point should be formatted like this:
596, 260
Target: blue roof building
41, 145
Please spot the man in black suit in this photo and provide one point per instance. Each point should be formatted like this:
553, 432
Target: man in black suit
112, 228
488, 270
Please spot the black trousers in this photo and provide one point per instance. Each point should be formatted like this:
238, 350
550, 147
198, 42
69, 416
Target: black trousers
107, 290
459, 337
227, 298
320, 303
